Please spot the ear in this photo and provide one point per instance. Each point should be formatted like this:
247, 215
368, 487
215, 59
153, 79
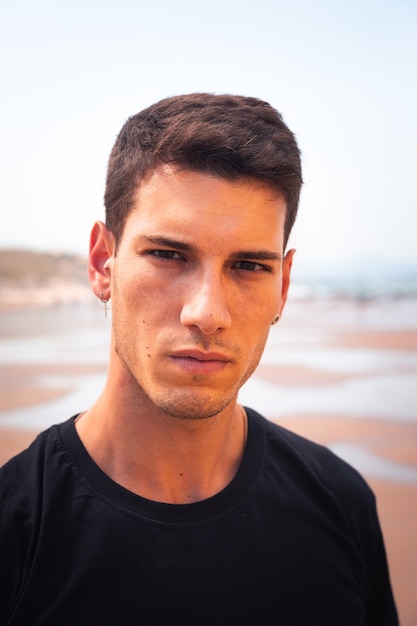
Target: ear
101, 252
286, 276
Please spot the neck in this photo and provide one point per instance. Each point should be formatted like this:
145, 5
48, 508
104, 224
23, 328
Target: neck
163, 458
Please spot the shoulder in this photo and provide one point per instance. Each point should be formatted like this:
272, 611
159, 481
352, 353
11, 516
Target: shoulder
22, 481
323, 491
313, 468
319, 459
17, 467
27, 477
22, 477
27, 464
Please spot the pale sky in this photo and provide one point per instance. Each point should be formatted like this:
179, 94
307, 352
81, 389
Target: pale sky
343, 74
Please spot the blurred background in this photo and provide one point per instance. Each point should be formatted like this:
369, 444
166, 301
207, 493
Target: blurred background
341, 367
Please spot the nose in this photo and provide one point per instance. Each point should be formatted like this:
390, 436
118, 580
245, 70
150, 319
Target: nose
206, 304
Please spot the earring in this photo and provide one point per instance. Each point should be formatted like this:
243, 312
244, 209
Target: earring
276, 318
104, 301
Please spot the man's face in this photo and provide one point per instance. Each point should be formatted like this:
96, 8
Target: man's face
198, 278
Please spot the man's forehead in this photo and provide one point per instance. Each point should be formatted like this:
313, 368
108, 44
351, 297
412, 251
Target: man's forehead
187, 206
164, 175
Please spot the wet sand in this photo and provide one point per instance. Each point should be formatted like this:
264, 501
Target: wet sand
392, 440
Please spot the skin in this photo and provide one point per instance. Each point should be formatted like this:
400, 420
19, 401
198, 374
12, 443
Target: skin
196, 281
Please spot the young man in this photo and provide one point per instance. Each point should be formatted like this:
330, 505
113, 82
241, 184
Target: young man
167, 501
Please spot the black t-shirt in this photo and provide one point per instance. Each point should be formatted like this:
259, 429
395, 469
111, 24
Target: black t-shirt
293, 540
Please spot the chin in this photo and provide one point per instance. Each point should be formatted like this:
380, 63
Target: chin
193, 406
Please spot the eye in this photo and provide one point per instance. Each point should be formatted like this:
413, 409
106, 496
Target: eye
251, 266
165, 254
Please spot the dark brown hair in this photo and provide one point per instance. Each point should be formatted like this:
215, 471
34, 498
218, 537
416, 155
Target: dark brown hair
226, 136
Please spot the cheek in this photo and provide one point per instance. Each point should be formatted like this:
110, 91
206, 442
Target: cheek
260, 311
137, 292
146, 314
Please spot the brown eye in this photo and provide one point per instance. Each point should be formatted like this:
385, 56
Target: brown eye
165, 254
251, 266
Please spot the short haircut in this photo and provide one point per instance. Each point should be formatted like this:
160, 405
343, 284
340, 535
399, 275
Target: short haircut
226, 136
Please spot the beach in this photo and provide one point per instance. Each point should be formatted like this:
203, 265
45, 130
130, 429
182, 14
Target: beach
341, 372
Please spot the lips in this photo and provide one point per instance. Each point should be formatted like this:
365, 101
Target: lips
200, 362
200, 355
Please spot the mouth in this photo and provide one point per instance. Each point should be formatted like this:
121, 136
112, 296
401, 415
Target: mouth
200, 362
200, 355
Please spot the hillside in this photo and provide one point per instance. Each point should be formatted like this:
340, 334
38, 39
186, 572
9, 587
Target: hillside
30, 277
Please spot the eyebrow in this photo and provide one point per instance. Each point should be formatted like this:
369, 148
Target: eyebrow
259, 255
167, 242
